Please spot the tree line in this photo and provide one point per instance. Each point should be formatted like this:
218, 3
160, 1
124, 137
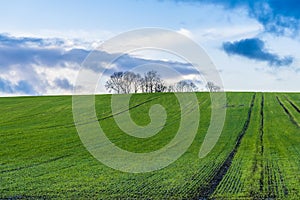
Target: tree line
151, 82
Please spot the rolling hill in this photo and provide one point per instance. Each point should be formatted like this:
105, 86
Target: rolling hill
256, 156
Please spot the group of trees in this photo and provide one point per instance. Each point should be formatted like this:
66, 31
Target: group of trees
130, 82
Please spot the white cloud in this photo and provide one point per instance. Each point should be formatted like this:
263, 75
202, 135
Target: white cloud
228, 33
186, 32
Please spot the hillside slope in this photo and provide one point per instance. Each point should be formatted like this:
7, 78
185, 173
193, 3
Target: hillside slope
256, 156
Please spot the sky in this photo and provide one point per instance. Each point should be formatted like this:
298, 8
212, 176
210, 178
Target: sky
253, 44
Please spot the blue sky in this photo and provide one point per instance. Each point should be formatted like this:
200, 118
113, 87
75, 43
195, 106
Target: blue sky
254, 44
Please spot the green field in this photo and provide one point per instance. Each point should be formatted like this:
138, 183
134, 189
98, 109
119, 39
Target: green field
256, 157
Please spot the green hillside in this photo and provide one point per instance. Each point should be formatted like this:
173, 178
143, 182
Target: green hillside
257, 155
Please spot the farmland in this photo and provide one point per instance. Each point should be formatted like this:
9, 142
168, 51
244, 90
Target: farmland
256, 156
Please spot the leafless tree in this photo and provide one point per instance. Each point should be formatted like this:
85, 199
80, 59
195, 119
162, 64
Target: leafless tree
115, 83
185, 86
160, 87
130, 82
124, 82
151, 81
212, 87
137, 82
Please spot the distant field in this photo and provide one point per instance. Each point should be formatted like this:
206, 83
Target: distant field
257, 155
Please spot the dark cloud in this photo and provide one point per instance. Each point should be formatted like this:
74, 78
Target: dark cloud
254, 48
281, 17
63, 83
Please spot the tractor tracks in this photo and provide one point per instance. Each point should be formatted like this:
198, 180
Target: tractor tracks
292, 119
292, 104
207, 191
35, 164
261, 138
69, 125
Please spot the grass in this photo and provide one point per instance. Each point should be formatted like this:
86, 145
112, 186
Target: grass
257, 155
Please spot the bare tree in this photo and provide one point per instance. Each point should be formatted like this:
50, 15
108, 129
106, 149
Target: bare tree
185, 86
137, 83
115, 83
129, 82
151, 80
143, 85
191, 87
124, 82
160, 87
212, 87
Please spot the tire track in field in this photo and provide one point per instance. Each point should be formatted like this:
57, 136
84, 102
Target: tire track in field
293, 104
99, 119
125, 110
261, 138
207, 191
179, 115
287, 112
35, 164
26, 197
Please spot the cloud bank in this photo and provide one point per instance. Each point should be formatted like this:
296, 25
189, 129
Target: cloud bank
38, 66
